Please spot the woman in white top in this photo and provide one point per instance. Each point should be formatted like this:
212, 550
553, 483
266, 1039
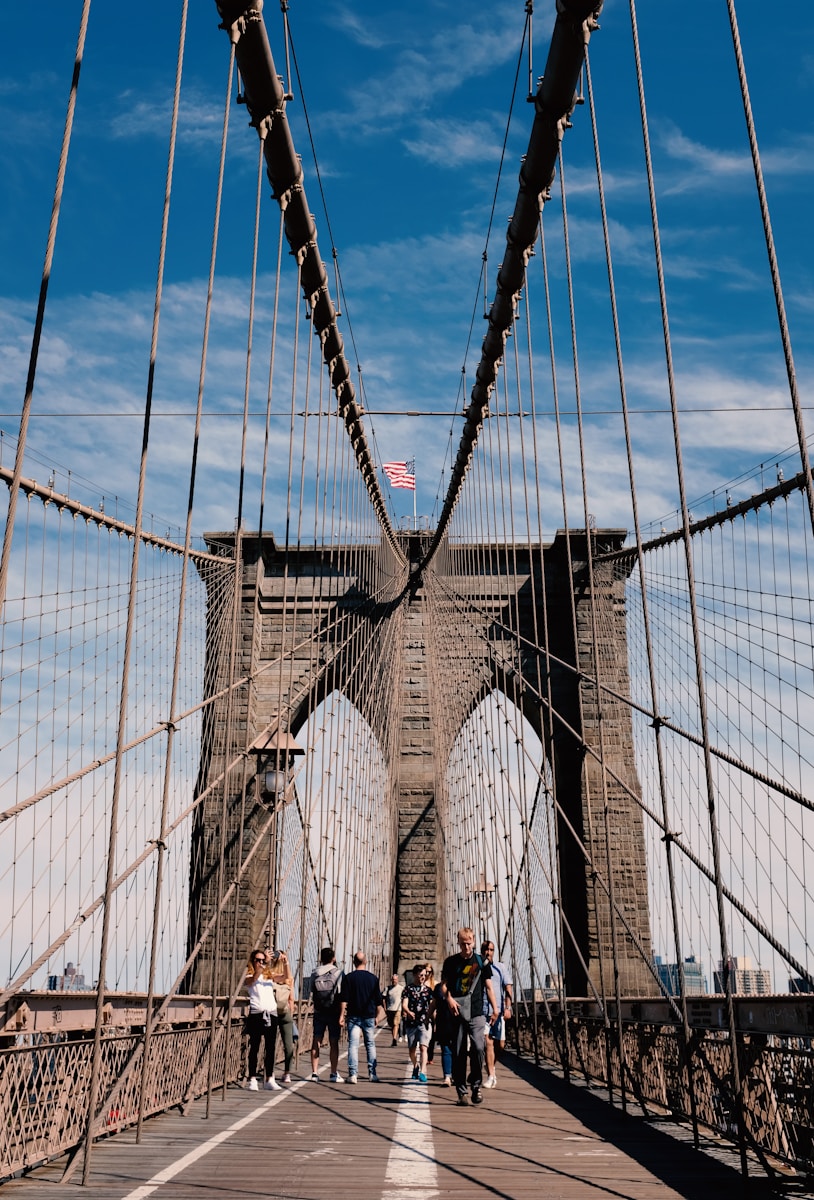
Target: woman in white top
261, 1023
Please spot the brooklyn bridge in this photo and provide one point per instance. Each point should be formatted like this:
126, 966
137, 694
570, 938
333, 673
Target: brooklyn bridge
509, 629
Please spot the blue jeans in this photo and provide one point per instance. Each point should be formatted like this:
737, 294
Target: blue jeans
364, 1026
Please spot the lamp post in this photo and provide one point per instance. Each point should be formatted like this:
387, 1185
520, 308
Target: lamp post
276, 752
483, 891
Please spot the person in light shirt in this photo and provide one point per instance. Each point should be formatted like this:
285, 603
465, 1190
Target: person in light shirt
261, 1023
392, 1006
496, 1034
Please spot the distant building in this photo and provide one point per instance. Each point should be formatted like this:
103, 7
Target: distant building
71, 981
798, 985
746, 980
695, 981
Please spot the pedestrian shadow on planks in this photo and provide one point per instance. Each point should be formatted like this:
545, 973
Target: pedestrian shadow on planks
663, 1147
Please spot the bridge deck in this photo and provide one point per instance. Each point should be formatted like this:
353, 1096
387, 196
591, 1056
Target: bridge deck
533, 1136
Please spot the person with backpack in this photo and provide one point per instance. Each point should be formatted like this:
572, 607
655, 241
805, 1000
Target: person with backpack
326, 980
464, 979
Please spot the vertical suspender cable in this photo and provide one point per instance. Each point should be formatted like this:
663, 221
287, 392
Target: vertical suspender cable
232, 983
162, 832
570, 568
230, 705
688, 558
773, 264
657, 723
14, 490
547, 715
131, 609
595, 647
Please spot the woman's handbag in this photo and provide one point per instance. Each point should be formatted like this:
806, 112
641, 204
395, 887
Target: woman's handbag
283, 993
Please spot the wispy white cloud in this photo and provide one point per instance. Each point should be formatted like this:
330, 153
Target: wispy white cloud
374, 32
454, 144
720, 167
200, 122
413, 81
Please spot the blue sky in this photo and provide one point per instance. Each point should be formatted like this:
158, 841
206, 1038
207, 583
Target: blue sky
408, 105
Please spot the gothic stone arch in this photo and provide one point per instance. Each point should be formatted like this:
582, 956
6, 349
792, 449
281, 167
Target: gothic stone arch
515, 587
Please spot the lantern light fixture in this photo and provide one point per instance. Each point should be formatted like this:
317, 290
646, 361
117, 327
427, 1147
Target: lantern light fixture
276, 752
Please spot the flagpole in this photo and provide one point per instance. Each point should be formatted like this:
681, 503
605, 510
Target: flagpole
415, 519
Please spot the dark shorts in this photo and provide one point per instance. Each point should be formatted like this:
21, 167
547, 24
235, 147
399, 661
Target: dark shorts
329, 1021
497, 1032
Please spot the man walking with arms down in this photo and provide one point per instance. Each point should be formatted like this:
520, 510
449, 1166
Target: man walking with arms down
325, 983
361, 1001
464, 979
502, 987
392, 1004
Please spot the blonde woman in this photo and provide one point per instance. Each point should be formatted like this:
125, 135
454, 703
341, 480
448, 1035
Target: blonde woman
283, 979
261, 1023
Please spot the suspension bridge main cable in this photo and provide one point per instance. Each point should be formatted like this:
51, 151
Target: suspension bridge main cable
265, 99
554, 101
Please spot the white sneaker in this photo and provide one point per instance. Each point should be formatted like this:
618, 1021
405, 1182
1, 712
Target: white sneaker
351, 1079
271, 1085
286, 1078
315, 1077
252, 1084
373, 1077
337, 1078
490, 1081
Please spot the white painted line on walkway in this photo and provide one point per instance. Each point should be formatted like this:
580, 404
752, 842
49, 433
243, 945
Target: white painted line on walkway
181, 1164
412, 1173
152, 1185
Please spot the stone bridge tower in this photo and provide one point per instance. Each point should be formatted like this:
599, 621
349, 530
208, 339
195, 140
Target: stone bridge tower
527, 581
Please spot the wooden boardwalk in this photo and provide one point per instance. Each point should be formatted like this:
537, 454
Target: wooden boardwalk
398, 1140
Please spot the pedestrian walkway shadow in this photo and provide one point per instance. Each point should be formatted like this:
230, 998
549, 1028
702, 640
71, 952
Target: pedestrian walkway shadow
665, 1148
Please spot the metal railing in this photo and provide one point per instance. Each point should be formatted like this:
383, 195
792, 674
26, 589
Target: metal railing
693, 1082
46, 1048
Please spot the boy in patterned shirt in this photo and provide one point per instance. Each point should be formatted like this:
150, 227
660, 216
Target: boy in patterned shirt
415, 1008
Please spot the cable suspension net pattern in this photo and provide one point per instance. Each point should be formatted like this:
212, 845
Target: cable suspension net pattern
589, 739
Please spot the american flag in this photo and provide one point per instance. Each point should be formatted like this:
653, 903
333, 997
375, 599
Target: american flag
401, 474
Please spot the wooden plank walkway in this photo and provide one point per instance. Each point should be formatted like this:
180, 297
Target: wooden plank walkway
398, 1140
